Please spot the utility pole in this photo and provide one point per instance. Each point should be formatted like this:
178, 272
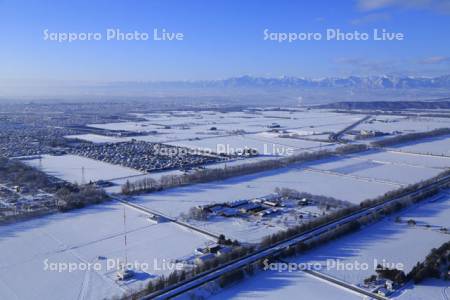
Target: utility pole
83, 179
125, 235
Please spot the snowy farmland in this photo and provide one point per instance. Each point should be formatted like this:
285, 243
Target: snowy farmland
266, 144
251, 228
96, 138
434, 214
353, 178
179, 200
78, 169
388, 240
90, 235
439, 146
404, 124
378, 169
274, 285
404, 159
175, 127
429, 289
116, 188
96, 234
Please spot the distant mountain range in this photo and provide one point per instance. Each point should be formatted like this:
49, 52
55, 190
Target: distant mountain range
390, 105
243, 89
373, 82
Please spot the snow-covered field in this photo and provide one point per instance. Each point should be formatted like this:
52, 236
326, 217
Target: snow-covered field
116, 188
389, 241
436, 213
174, 127
378, 169
96, 233
274, 285
430, 289
90, 235
404, 124
353, 178
436, 146
402, 158
238, 228
74, 168
252, 229
179, 200
264, 143
385, 240
96, 138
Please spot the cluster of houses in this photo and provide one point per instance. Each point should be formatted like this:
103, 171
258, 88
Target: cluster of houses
14, 203
210, 252
382, 287
37, 129
369, 133
263, 206
16, 141
260, 207
143, 156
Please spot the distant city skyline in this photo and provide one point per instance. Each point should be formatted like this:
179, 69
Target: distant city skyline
220, 39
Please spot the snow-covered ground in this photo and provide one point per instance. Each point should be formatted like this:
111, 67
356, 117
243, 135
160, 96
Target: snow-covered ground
436, 146
90, 235
265, 143
404, 124
402, 158
175, 201
238, 228
377, 169
96, 138
116, 188
435, 213
352, 178
253, 228
430, 289
96, 233
74, 168
394, 243
385, 240
175, 127
275, 285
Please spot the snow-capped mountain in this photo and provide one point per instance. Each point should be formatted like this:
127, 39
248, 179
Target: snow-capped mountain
352, 81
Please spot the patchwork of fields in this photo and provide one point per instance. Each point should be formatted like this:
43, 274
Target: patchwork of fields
97, 233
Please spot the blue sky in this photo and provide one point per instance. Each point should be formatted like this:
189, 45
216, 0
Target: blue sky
223, 38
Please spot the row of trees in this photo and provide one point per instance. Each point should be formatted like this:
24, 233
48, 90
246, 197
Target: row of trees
411, 137
335, 215
271, 240
65, 196
178, 276
241, 251
16, 173
75, 196
394, 275
436, 265
205, 175
319, 200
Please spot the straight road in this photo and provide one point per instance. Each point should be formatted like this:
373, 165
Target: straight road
336, 137
164, 217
